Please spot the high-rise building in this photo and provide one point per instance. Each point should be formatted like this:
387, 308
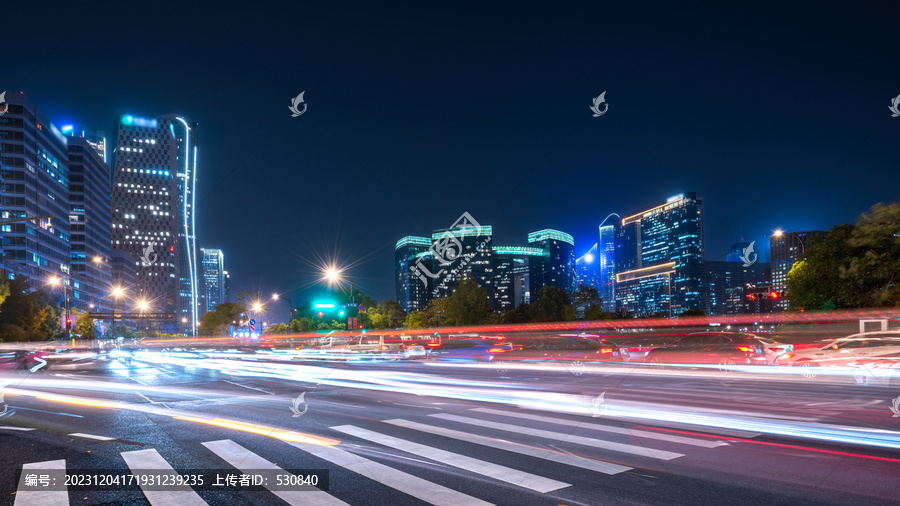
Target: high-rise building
213, 262
412, 290
658, 258
187, 304
145, 207
726, 286
556, 269
785, 249
96, 139
606, 250
226, 280
430, 268
35, 183
587, 268
89, 225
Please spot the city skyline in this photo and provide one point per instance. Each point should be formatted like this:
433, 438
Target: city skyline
763, 159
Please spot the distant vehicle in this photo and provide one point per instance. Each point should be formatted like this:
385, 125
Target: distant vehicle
847, 351
726, 349
468, 350
576, 349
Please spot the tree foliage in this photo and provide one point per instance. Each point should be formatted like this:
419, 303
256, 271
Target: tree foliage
552, 305
468, 305
27, 314
851, 266
215, 323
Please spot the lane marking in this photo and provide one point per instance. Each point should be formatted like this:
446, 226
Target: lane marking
251, 388
532, 451
606, 428
245, 460
9, 427
42, 498
409, 484
560, 436
484, 468
92, 436
150, 459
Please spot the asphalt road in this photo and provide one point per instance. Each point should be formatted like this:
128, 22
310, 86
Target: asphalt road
397, 433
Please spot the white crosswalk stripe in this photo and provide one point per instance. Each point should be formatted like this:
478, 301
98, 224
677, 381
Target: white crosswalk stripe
560, 436
496, 471
41, 498
605, 428
146, 460
523, 449
431, 493
245, 460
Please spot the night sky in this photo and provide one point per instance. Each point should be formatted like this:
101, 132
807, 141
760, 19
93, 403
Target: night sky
777, 116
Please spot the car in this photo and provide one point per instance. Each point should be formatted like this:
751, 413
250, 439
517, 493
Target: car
847, 351
883, 370
468, 350
572, 350
726, 349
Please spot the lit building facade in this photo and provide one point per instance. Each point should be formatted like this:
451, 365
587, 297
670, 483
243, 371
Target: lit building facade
213, 262
412, 290
34, 174
558, 267
606, 251
659, 246
145, 207
428, 268
188, 268
785, 249
89, 226
587, 268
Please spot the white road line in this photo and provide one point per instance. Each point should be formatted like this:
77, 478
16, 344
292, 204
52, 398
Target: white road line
243, 459
706, 443
8, 427
251, 388
532, 451
432, 493
91, 436
560, 436
496, 471
41, 498
141, 460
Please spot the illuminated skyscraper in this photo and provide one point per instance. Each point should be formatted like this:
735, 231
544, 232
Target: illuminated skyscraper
606, 250
411, 290
558, 267
190, 286
213, 262
658, 256
587, 268
35, 182
144, 207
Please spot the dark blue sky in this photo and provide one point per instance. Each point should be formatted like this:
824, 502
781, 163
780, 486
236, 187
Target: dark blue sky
776, 115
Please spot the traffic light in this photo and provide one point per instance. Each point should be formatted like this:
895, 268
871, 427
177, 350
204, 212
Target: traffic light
321, 314
68, 324
752, 296
773, 294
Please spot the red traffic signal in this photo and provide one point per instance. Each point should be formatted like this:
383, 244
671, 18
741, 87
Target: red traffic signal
773, 294
321, 314
752, 296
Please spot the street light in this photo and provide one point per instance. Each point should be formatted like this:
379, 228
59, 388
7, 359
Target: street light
56, 281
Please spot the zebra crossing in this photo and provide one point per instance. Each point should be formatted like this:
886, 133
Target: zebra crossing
612, 457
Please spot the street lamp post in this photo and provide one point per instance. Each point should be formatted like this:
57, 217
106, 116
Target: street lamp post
56, 281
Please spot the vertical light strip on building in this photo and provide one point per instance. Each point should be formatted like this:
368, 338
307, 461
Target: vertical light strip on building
193, 242
189, 242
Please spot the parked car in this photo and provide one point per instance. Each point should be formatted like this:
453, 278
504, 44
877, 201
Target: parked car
726, 349
848, 351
